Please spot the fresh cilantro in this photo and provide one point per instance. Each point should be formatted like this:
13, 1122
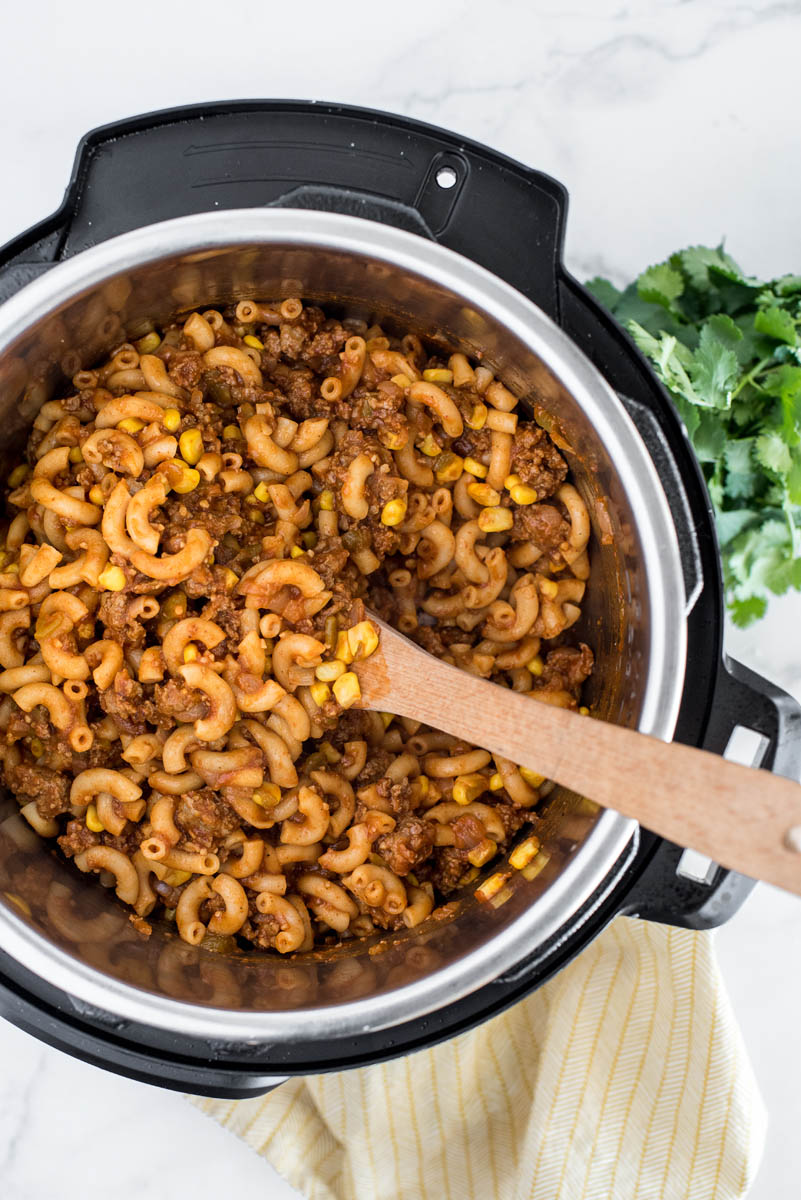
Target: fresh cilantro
726, 347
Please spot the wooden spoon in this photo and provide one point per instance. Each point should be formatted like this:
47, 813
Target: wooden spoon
741, 817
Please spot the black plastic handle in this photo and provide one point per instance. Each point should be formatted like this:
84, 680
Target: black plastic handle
253, 153
741, 698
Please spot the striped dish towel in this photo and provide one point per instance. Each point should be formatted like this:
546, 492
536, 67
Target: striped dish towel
624, 1078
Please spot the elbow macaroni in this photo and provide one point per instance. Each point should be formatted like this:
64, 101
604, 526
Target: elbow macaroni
182, 590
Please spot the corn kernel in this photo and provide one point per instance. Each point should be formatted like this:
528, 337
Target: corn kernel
386, 719
467, 788
131, 425
12, 568
482, 853
478, 417
536, 666
475, 468
37, 747
448, 467
18, 474
531, 777
392, 441
296, 552
534, 868
327, 672
522, 855
512, 481
342, 650
190, 445
76, 455
402, 381
93, 821
549, 588
112, 578
327, 501
483, 494
430, 446
438, 375
191, 653
150, 342
522, 494
394, 511
252, 340
231, 578
585, 712
347, 690
267, 795
320, 692
491, 886
261, 493
423, 785
496, 782
172, 419
257, 517
174, 878
96, 494
495, 520
189, 480
363, 639
231, 431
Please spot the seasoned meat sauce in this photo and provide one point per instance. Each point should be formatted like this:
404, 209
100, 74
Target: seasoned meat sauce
231, 442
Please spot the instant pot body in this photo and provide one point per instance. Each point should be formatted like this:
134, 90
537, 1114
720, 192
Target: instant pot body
72, 968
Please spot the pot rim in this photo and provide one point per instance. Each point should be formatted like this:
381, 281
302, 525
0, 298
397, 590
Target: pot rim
590, 867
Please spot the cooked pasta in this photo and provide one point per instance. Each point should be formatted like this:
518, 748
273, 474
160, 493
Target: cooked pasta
190, 547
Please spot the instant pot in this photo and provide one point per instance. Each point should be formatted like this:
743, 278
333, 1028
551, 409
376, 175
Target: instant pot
390, 219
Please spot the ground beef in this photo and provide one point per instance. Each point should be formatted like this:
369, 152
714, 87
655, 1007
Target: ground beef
512, 817
474, 443
50, 790
204, 818
375, 767
125, 702
261, 929
541, 524
207, 507
409, 843
114, 613
398, 796
566, 667
77, 838
446, 868
186, 368
174, 701
537, 461
330, 561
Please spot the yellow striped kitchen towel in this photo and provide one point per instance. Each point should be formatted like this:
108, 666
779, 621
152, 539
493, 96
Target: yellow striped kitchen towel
624, 1078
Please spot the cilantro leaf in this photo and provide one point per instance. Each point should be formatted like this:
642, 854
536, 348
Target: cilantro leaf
726, 347
776, 323
714, 369
660, 285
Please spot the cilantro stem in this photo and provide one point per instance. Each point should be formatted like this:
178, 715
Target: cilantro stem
749, 378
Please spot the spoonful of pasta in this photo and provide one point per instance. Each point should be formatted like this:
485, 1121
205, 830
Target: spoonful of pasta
743, 818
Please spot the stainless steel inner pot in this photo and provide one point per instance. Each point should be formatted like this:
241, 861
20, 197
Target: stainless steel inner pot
66, 928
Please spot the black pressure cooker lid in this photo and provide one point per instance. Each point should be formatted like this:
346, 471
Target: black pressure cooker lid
509, 219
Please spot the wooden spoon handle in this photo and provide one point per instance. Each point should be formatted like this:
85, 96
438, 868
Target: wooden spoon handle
742, 818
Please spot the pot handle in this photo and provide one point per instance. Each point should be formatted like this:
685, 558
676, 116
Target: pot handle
258, 153
754, 722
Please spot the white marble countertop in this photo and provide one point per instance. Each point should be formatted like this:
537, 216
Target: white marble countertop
671, 123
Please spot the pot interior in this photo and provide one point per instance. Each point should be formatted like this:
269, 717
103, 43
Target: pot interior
407, 285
